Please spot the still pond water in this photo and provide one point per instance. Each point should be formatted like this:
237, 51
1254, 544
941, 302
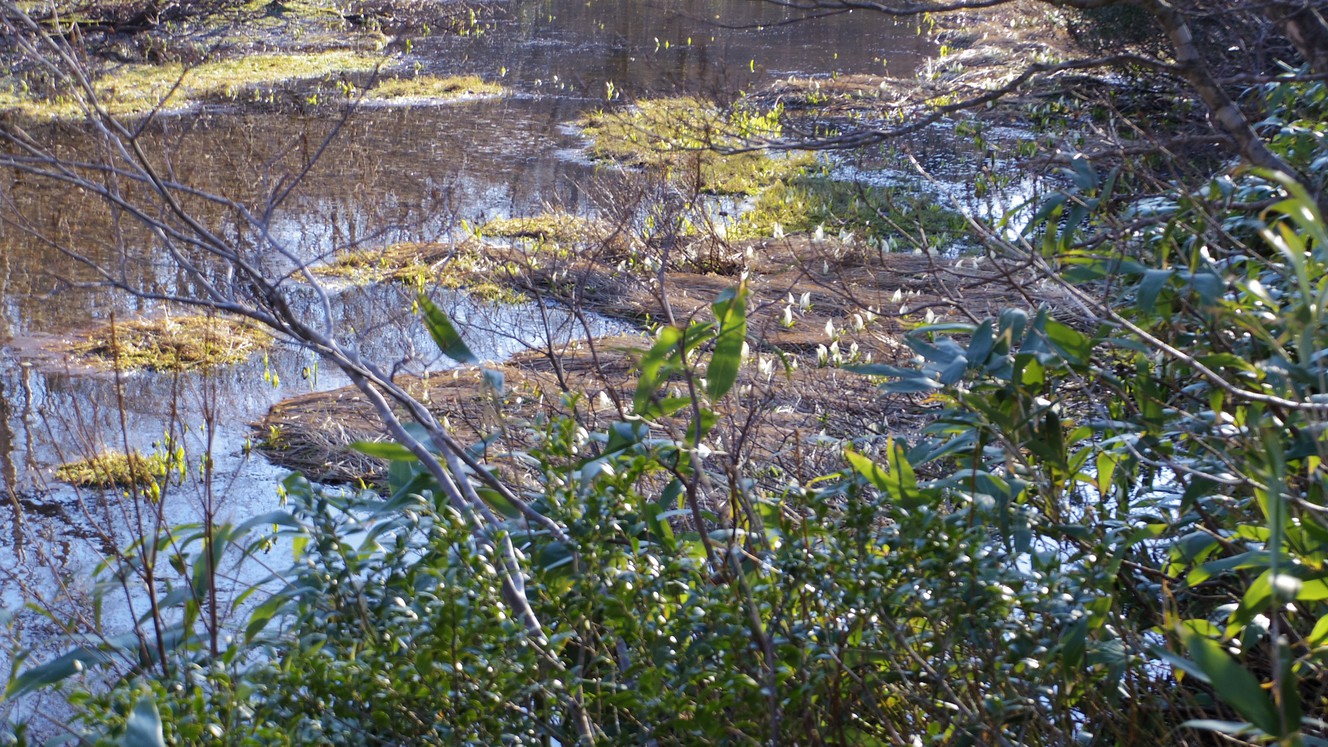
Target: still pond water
393, 174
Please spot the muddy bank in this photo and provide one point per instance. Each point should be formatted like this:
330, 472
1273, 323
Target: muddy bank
776, 422
815, 305
805, 291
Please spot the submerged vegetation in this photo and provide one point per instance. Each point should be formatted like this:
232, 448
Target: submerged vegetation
182, 343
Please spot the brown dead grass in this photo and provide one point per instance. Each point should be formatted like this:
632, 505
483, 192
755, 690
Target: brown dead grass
182, 343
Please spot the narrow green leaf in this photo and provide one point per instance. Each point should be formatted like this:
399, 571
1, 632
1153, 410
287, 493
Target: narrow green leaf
262, 615
499, 502
1234, 684
1149, 288
384, 450
143, 727
652, 366
663, 407
731, 317
444, 334
1319, 635
56, 670
1073, 345
981, 343
868, 469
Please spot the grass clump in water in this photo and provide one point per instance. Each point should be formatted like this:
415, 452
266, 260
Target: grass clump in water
409, 262
116, 469
682, 135
555, 228
420, 264
137, 89
433, 87
172, 344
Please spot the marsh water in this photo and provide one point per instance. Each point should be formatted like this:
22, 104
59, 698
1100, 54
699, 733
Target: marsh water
391, 174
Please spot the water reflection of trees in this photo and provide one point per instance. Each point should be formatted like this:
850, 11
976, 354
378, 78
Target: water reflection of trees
393, 175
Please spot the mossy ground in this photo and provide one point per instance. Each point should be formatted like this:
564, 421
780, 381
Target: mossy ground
136, 89
116, 469
555, 227
454, 266
171, 344
683, 137
432, 87
808, 203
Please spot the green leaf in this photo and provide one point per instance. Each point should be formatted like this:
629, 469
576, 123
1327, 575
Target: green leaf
1053, 205
499, 502
279, 518
1314, 590
672, 496
981, 343
899, 483
624, 436
1319, 635
663, 407
731, 316
1073, 345
1234, 684
384, 450
56, 670
444, 333
1073, 643
262, 615
652, 366
1082, 172
701, 425
1149, 288
143, 727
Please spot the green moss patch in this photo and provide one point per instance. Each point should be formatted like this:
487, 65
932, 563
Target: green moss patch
128, 90
463, 267
557, 228
116, 469
432, 87
409, 262
171, 344
681, 136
